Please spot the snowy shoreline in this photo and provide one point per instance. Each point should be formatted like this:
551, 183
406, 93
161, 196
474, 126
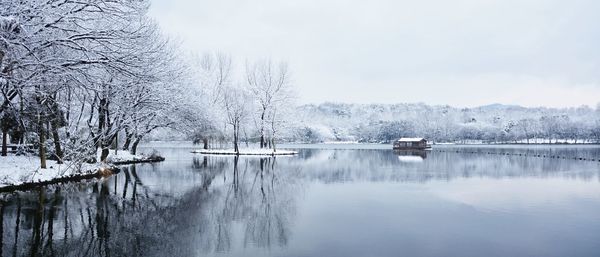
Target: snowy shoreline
252, 151
24, 172
123, 157
60, 179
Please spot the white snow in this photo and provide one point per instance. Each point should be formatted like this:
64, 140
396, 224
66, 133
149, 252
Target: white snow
16, 170
248, 151
410, 139
496, 123
122, 156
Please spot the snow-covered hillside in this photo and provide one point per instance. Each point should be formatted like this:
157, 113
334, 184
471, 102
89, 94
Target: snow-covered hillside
495, 122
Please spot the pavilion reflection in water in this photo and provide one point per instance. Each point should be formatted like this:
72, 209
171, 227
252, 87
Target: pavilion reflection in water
411, 155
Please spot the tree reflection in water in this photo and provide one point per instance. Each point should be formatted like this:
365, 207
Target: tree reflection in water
252, 198
122, 216
226, 204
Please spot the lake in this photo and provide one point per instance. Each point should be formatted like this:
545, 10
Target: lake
329, 200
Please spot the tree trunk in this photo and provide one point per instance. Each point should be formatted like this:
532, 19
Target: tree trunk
17, 136
116, 143
58, 153
101, 141
262, 129
42, 149
48, 130
127, 141
135, 145
262, 141
205, 141
4, 146
104, 153
101, 122
273, 144
235, 139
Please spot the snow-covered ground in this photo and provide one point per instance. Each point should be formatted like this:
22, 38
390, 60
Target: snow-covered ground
248, 151
122, 156
17, 170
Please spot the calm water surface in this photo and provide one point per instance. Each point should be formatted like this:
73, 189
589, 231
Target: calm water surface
327, 201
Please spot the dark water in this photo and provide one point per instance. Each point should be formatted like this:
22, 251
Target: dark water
323, 202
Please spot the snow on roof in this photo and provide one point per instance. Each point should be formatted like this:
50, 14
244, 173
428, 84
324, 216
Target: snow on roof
411, 139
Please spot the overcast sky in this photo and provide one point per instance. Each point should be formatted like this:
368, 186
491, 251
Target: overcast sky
460, 52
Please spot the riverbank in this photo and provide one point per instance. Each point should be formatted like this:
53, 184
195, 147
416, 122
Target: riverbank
24, 172
122, 157
20, 172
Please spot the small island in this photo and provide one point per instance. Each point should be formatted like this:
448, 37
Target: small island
250, 151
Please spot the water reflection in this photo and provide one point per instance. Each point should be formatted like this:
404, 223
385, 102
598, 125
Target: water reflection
411, 155
235, 206
333, 166
124, 216
418, 153
252, 200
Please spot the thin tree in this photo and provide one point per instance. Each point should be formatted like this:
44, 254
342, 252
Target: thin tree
268, 83
235, 103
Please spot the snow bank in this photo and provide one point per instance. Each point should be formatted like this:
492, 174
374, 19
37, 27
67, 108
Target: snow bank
17, 170
21, 170
250, 151
125, 157
121, 156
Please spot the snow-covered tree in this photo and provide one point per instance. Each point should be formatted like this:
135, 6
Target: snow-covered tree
83, 72
492, 123
236, 105
270, 84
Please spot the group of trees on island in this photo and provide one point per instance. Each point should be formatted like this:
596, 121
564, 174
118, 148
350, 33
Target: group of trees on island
250, 106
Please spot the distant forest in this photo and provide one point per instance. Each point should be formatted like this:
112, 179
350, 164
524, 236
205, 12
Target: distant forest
496, 123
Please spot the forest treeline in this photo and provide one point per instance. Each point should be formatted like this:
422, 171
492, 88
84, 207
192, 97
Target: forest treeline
494, 123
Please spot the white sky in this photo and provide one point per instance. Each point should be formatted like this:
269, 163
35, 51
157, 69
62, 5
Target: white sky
460, 52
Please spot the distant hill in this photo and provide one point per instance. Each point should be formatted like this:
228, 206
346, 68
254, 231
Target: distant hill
493, 122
